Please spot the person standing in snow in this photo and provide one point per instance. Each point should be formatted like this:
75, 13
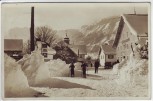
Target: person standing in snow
72, 69
96, 66
84, 68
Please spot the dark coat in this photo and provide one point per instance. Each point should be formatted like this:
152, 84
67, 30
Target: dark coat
84, 67
97, 64
72, 68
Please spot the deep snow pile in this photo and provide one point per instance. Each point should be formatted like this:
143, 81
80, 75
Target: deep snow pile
117, 67
133, 72
57, 67
33, 69
15, 81
38, 71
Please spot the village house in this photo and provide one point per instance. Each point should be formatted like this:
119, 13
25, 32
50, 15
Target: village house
45, 50
14, 48
79, 50
107, 55
133, 28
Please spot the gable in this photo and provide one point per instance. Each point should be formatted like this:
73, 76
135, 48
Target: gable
137, 25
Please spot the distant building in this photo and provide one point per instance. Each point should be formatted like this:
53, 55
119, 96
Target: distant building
13, 48
66, 39
79, 50
45, 50
133, 28
107, 56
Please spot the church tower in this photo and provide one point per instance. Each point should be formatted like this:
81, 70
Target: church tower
66, 39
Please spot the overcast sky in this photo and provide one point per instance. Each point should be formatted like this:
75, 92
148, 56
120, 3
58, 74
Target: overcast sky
64, 15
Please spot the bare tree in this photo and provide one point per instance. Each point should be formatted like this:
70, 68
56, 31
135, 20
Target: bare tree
46, 34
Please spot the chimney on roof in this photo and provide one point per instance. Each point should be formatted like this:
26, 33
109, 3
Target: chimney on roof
32, 44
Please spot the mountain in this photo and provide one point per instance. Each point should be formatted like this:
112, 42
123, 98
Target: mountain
18, 33
100, 32
21, 33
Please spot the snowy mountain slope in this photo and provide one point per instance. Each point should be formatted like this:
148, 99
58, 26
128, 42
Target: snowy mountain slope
101, 31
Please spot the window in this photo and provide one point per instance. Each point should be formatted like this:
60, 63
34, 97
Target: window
44, 50
45, 54
44, 45
110, 56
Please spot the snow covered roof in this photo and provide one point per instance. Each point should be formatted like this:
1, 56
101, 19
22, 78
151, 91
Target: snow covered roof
108, 49
138, 24
81, 49
51, 50
13, 44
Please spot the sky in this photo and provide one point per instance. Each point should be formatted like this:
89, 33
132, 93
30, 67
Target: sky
60, 16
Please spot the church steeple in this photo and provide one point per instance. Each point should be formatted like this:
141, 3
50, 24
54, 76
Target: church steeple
66, 39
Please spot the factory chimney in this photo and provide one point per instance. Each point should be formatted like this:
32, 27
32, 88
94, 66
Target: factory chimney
32, 40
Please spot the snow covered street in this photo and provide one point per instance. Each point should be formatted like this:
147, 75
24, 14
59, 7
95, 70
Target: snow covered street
49, 79
102, 84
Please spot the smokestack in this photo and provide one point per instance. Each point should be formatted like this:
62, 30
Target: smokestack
32, 43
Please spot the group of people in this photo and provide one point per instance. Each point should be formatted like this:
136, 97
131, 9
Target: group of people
84, 68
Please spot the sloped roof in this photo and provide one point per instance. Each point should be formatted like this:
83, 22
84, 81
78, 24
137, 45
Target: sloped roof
51, 50
138, 24
108, 49
13, 44
81, 49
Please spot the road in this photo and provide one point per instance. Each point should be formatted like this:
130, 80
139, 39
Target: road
103, 84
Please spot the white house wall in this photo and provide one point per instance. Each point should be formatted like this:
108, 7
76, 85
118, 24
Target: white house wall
125, 41
102, 59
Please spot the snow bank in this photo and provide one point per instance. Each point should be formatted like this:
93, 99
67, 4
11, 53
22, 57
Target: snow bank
134, 72
57, 68
32, 66
38, 71
15, 81
117, 67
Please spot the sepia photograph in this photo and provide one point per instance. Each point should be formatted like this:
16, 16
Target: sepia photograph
75, 50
